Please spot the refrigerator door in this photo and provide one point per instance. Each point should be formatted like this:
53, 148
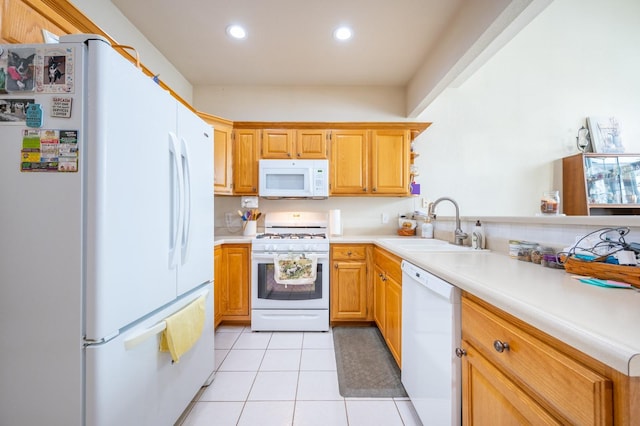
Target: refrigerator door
196, 242
41, 277
138, 385
128, 193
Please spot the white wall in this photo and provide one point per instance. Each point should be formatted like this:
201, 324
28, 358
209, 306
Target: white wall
108, 17
496, 141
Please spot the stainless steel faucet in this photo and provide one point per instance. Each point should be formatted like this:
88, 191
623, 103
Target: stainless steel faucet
458, 234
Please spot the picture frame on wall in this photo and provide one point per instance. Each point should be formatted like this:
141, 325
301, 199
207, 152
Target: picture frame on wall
605, 135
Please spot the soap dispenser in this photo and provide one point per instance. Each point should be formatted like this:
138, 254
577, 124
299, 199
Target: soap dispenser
426, 230
478, 240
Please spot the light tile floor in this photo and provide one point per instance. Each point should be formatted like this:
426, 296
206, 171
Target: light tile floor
285, 378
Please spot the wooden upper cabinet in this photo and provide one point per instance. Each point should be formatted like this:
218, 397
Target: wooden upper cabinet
277, 143
222, 160
311, 143
288, 143
22, 24
372, 162
222, 153
390, 162
245, 162
349, 163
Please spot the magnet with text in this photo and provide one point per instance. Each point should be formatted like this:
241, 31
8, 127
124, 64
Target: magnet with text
61, 106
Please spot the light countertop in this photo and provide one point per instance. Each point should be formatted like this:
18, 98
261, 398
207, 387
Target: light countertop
601, 322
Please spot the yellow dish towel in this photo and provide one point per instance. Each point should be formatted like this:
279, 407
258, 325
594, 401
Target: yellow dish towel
183, 329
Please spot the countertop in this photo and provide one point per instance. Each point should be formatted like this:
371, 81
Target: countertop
601, 322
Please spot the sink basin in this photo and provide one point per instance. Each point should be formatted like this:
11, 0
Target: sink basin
423, 245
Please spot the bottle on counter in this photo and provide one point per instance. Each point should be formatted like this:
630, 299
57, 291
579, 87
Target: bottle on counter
478, 240
426, 230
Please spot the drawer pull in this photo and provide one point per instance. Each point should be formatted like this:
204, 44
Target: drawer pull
500, 346
460, 352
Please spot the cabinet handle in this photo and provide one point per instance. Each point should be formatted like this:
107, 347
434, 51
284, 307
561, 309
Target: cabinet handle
380, 275
335, 265
500, 346
364, 189
374, 189
460, 352
349, 253
288, 154
299, 155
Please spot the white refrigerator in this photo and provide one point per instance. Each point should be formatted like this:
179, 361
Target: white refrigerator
106, 206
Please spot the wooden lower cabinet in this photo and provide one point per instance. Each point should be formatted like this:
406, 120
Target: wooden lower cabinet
233, 283
349, 282
379, 307
514, 374
393, 320
218, 284
387, 299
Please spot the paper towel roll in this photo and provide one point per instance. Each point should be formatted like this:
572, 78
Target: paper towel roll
335, 223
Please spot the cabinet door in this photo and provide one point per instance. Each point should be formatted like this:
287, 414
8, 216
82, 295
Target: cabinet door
349, 290
379, 299
218, 285
245, 162
311, 143
566, 387
222, 160
277, 143
390, 158
22, 24
349, 162
237, 262
393, 319
490, 398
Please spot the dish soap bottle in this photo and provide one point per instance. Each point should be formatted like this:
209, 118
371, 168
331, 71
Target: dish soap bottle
426, 230
478, 237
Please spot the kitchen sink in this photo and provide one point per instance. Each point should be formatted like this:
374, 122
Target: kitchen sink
422, 245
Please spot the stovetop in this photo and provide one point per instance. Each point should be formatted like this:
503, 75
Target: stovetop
293, 231
291, 236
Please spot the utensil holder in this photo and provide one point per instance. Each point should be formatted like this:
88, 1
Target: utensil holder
249, 228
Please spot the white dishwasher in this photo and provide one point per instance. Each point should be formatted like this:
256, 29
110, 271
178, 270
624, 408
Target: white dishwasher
430, 336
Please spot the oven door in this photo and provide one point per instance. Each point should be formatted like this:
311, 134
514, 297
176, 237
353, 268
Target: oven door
266, 293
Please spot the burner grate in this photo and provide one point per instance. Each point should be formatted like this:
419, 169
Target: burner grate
291, 236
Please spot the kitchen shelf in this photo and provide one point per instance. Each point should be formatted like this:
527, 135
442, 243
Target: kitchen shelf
601, 184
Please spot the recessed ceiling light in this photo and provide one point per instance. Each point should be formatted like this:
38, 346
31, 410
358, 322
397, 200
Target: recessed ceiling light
343, 33
236, 31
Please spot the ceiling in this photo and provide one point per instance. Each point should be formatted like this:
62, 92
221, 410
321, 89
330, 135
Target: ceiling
290, 43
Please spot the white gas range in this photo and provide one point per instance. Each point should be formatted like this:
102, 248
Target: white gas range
290, 273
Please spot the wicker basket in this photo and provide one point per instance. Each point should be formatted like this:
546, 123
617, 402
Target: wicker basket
406, 232
604, 271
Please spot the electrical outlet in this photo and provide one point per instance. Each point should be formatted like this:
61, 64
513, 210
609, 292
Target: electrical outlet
384, 218
425, 203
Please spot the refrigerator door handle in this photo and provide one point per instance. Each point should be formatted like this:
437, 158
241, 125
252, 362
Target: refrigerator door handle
186, 226
144, 334
177, 219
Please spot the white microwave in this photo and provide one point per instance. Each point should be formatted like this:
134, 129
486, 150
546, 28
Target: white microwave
294, 178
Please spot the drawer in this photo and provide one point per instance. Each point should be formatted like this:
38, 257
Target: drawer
389, 263
348, 252
569, 388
